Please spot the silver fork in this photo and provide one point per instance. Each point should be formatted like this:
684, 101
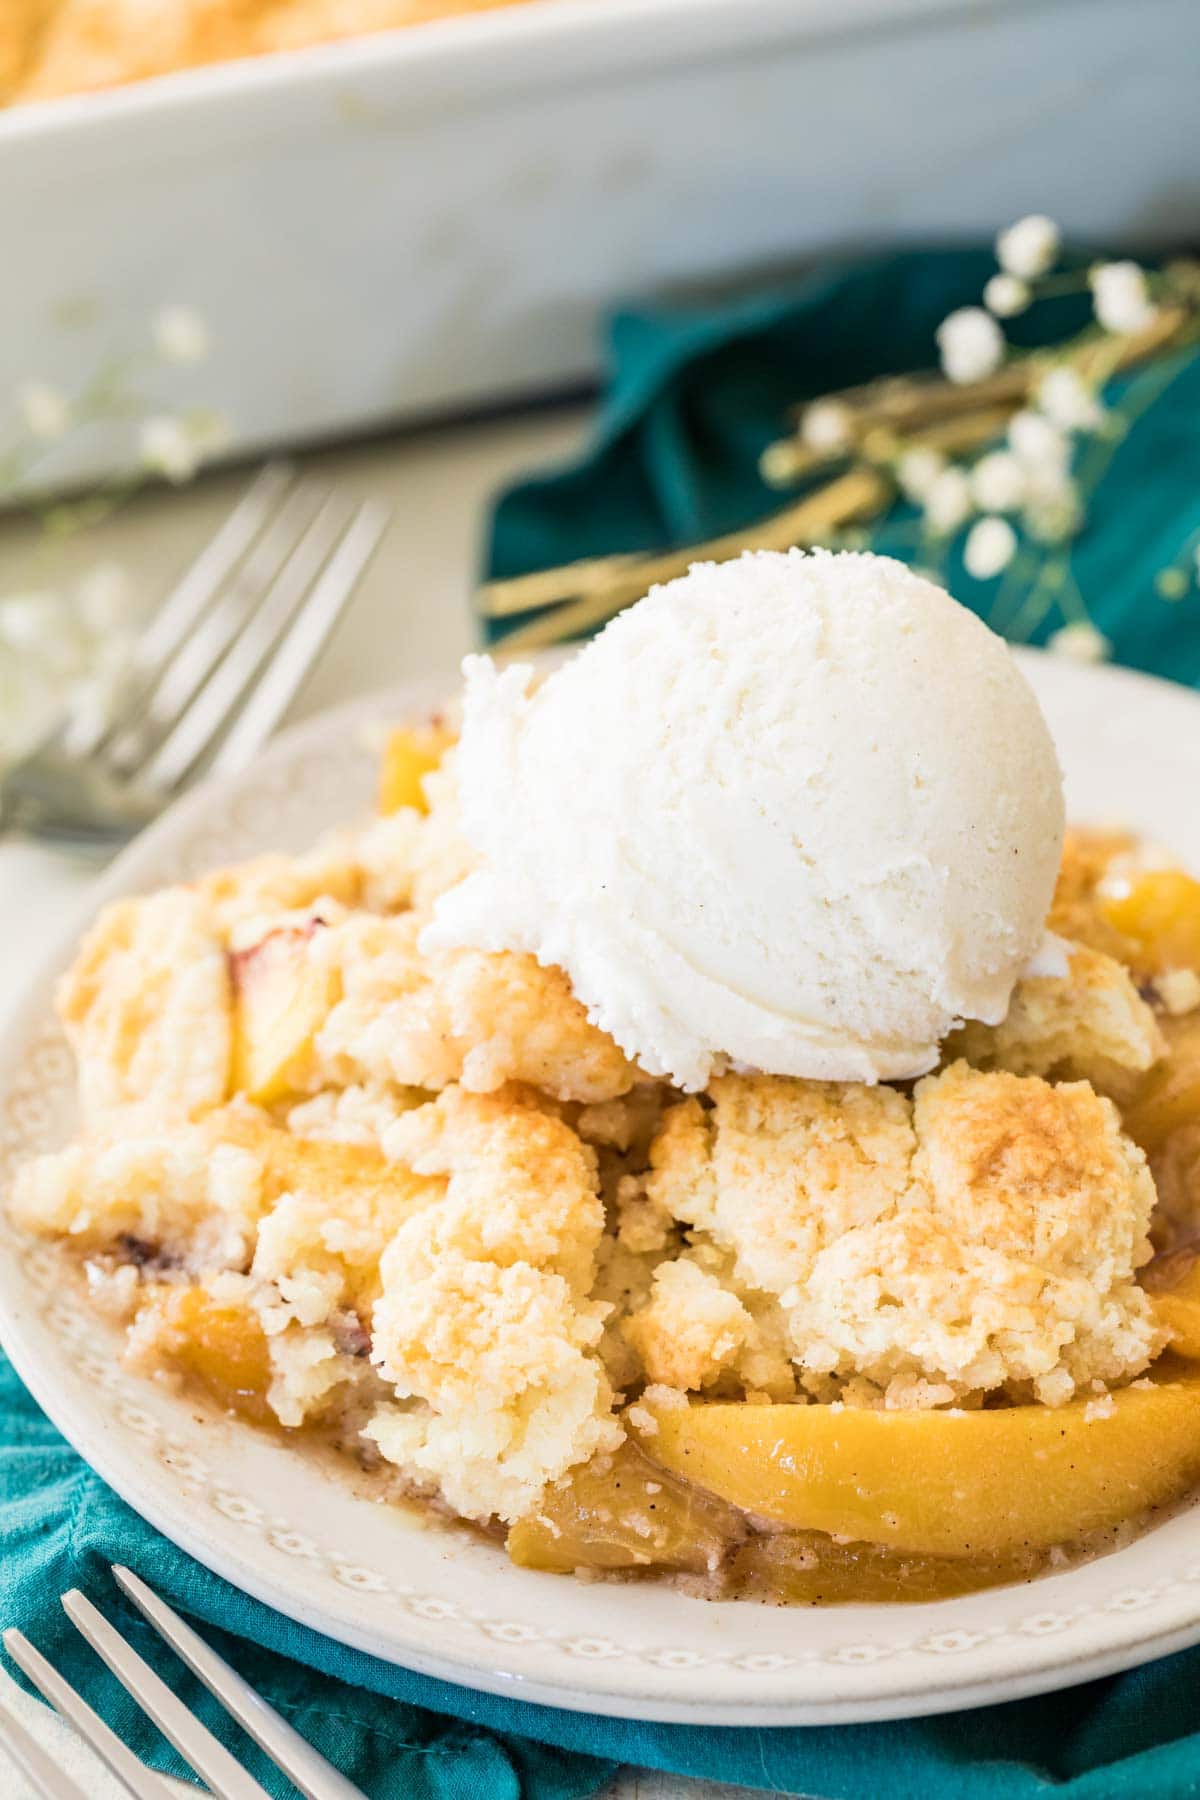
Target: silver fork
225, 1778
214, 671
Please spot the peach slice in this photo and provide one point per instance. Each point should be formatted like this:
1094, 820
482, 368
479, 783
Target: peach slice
626, 1512
973, 1484
282, 997
1169, 1095
1159, 915
806, 1568
408, 756
623, 1512
221, 1346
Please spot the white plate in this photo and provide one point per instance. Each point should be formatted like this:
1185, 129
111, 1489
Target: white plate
259, 1515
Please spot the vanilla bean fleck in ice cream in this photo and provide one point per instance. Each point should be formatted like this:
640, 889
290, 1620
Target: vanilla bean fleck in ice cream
797, 813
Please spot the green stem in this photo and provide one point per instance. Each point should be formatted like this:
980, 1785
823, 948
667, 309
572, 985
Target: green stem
1071, 602
1041, 597
1018, 574
1051, 287
1140, 397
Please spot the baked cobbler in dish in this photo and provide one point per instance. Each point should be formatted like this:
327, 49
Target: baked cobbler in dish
53, 47
785, 1338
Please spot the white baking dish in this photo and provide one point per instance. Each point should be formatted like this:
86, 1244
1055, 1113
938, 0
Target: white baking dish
433, 218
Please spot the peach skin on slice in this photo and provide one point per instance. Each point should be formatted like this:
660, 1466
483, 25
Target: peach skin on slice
943, 1483
409, 755
282, 997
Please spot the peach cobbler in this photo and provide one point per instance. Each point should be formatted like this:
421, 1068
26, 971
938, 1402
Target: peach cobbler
771, 1336
799, 1339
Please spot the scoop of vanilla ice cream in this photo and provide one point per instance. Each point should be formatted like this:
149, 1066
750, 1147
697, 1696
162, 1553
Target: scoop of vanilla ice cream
796, 813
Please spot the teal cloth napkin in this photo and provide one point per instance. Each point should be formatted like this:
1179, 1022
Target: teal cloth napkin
402, 1736
694, 396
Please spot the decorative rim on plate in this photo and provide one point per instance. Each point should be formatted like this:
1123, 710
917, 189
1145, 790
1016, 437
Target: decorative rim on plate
433, 1600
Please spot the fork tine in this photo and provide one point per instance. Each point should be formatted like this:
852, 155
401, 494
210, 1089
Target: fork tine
304, 640
140, 1781
200, 653
187, 600
195, 588
194, 1742
308, 1770
213, 705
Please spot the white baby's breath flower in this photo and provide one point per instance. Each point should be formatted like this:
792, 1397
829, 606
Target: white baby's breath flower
1053, 509
917, 470
180, 335
1080, 642
210, 431
90, 712
971, 345
1006, 295
93, 699
167, 447
1028, 248
990, 547
1120, 297
45, 411
998, 482
104, 597
948, 503
1171, 584
827, 426
1038, 443
43, 634
110, 656
1067, 400
30, 622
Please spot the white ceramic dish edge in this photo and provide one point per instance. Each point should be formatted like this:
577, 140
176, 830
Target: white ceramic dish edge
437, 217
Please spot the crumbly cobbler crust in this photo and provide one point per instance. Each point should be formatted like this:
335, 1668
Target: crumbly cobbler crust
425, 1194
